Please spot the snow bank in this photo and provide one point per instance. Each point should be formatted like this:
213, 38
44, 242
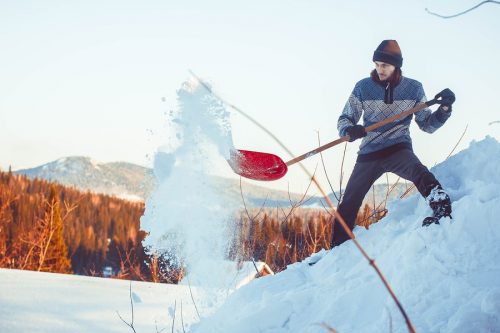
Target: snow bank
446, 276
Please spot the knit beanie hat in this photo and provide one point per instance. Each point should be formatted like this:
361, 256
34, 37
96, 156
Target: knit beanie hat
389, 52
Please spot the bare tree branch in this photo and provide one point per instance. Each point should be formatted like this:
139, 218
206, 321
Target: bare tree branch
297, 204
464, 12
252, 219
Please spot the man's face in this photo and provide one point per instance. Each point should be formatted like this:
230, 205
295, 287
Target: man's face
384, 70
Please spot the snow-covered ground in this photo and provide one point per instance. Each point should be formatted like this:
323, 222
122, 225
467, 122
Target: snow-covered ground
57, 303
446, 276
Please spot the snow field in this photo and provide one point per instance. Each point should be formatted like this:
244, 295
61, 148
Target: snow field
53, 303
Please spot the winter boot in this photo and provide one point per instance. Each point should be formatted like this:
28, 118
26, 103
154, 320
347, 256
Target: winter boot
440, 203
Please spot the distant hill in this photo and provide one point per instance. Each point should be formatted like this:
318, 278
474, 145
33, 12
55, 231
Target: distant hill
134, 182
120, 179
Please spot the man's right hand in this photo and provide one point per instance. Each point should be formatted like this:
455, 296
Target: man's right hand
355, 132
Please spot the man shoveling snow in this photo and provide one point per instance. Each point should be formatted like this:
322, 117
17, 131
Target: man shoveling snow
389, 149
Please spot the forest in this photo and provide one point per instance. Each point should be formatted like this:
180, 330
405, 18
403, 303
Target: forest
45, 226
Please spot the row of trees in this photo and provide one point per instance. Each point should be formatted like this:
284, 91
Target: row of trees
49, 227
281, 237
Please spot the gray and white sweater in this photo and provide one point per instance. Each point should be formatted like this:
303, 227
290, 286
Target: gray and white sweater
367, 100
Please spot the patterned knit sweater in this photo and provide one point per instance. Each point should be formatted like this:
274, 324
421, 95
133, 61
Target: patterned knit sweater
367, 100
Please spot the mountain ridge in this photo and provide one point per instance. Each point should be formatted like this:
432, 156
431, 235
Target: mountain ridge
121, 179
134, 182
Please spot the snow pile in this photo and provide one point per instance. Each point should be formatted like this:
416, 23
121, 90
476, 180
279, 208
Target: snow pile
185, 217
446, 276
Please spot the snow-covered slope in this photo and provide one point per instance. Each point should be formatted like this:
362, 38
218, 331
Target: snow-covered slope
446, 276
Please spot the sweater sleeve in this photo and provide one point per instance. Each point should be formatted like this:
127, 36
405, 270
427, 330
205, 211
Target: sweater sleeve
352, 112
427, 120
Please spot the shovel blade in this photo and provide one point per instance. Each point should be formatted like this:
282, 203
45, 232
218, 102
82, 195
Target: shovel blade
257, 165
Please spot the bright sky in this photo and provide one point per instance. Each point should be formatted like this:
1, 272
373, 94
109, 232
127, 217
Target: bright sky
95, 78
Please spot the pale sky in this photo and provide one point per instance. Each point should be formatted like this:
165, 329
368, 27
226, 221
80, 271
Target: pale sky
95, 78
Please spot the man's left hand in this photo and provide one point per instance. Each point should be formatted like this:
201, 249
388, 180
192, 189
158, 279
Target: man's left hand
446, 98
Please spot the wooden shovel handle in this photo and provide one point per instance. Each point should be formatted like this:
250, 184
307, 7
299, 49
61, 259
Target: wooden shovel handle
370, 128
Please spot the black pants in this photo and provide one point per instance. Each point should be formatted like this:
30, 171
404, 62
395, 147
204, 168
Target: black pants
403, 163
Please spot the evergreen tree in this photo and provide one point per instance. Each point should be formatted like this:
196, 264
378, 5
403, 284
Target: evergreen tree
9, 174
54, 256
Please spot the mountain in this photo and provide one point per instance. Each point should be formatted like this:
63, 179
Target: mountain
134, 182
121, 179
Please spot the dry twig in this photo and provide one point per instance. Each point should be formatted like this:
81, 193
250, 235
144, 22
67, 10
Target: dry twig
173, 317
182, 319
192, 298
328, 328
131, 324
326, 173
455, 147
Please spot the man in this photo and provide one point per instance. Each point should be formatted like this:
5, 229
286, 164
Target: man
388, 149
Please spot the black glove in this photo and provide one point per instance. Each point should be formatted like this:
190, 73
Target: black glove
447, 97
355, 132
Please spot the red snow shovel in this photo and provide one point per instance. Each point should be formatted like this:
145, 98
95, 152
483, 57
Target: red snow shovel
265, 166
